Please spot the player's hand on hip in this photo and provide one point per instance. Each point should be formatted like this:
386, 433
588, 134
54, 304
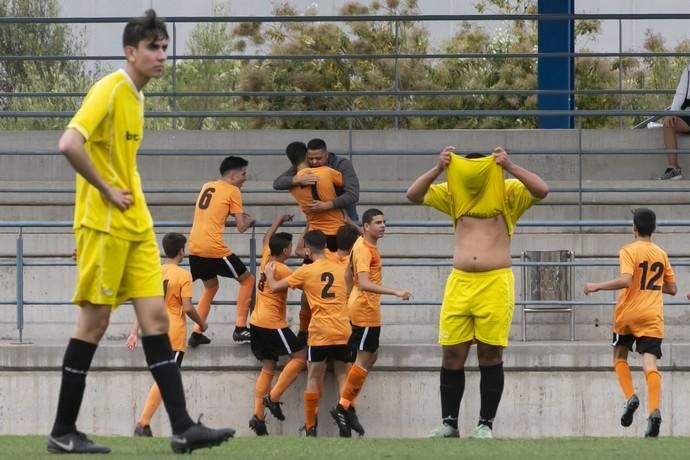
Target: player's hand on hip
404, 294
501, 157
122, 199
444, 157
132, 341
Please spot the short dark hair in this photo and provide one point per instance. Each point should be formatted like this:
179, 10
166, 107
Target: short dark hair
369, 215
296, 152
644, 220
317, 144
315, 239
346, 236
278, 242
172, 244
146, 27
472, 156
232, 162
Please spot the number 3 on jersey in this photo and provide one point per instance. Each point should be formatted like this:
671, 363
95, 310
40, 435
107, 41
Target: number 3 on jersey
658, 269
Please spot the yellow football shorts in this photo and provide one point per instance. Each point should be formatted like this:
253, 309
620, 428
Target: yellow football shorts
477, 306
112, 270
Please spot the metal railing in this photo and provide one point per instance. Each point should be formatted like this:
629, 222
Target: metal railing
21, 261
395, 90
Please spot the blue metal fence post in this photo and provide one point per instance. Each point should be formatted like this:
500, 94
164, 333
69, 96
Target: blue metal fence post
556, 73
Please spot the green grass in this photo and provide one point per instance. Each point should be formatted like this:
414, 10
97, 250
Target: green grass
293, 448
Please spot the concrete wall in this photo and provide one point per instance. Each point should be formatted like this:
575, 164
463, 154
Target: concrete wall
551, 389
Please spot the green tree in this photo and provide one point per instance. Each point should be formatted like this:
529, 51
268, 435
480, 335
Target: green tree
221, 75
25, 75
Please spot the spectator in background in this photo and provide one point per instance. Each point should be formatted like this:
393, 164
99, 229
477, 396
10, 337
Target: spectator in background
674, 125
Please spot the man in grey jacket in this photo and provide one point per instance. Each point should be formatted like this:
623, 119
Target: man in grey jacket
318, 155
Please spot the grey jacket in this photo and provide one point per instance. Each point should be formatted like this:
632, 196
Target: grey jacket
348, 194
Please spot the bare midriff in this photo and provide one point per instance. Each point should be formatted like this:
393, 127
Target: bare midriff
481, 244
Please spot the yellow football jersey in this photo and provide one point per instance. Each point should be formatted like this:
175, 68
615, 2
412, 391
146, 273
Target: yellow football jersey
111, 119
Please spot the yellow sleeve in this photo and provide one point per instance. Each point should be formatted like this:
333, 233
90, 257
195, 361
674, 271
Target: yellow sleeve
95, 107
438, 197
518, 199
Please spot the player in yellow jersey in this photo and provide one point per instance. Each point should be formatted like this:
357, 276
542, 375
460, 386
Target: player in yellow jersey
323, 281
478, 301
271, 336
117, 254
209, 256
177, 291
645, 274
364, 306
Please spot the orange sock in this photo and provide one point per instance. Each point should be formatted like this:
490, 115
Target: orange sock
153, 400
263, 385
624, 377
304, 315
244, 299
204, 305
653, 390
355, 381
311, 407
285, 379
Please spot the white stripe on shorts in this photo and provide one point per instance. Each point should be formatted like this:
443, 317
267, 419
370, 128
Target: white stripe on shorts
282, 337
364, 337
232, 269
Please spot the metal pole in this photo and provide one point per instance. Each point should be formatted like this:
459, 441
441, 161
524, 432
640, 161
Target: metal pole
20, 286
579, 176
523, 270
349, 138
396, 76
174, 73
620, 69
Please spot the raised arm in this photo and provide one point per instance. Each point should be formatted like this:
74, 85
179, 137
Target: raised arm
275, 225
534, 184
416, 191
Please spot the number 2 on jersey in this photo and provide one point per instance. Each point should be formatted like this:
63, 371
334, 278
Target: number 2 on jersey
328, 278
658, 269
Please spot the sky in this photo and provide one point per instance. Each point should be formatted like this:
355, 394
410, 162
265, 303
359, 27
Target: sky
104, 39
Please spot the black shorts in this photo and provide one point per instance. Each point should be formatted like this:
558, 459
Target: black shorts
178, 357
206, 268
365, 338
318, 354
651, 345
274, 343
